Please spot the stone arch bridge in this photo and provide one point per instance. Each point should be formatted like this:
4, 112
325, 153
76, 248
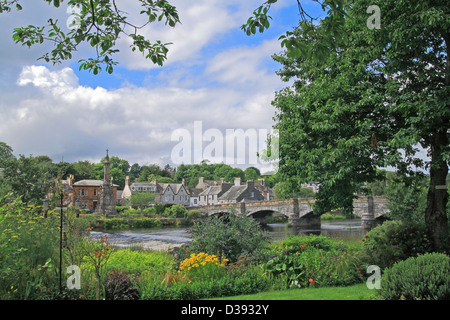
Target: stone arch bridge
299, 211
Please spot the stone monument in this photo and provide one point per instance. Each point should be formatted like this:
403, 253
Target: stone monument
106, 202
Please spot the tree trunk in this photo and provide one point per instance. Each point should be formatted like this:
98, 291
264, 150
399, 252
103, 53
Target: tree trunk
435, 213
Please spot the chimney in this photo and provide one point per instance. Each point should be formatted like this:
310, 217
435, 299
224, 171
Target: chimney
250, 184
237, 181
70, 179
183, 182
127, 181
200, 180
262, 182
222, 180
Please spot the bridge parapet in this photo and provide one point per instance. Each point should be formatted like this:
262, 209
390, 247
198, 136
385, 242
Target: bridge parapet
299, 210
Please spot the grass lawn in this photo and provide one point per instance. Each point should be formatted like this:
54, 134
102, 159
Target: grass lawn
355, 292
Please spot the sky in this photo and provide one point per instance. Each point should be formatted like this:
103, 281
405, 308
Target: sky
215, 76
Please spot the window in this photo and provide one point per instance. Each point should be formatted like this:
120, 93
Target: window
95, 192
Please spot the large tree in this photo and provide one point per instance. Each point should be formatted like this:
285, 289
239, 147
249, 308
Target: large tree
370, 102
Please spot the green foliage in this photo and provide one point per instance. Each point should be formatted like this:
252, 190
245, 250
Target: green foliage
28, 250
137, 262
100, 24
407, 195
141, 199
227, 235
394, 241
313, 261
426, 277
251, 281
282, 190
360, 107
175, 211
31, 177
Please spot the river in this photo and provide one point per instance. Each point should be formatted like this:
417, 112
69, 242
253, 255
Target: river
171, 237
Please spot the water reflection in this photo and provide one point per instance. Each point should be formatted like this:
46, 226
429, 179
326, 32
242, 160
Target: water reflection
348, 230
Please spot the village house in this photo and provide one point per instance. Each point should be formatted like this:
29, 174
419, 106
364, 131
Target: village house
175, 193
241, 193
87, 192
206, 192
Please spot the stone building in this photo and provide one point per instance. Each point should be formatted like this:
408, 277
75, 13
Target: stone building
175, 193
87, 192
241, 193
210, 196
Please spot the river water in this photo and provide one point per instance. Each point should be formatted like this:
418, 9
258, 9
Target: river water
171, 237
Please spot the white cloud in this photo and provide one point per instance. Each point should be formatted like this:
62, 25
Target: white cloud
65, 118
47, 111
202, 22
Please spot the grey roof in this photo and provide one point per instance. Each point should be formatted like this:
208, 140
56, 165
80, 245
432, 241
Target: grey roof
143, 184
90, 183
174, 186
211, 190
195, 191
233, 192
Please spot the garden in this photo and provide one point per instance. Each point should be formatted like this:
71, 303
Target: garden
228, 256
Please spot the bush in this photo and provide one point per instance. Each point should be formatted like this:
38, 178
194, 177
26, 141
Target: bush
426, 277
175, 211
119, 286
252, 281
394, 241
227, 235
136, 262
313, 260
121, 209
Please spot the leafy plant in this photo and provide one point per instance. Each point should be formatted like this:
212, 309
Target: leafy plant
203, 266
426, 277
394, 241
227, 235
120, 286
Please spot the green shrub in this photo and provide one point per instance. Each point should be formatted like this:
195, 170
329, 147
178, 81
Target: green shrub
252, 281
394, 241
175, 211
329, 268
121, 209
425, 277
136, 262
146, 223
313, 260
227, 235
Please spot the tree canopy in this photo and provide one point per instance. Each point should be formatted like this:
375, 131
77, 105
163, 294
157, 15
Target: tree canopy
375, 98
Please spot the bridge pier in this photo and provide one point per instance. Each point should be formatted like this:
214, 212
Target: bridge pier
367, 213
310, 221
